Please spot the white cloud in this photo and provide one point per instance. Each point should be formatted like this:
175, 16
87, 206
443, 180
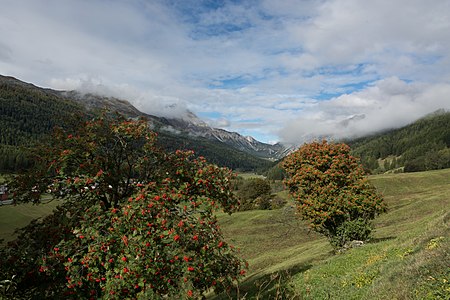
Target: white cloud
219, 123
390, 103
146, 101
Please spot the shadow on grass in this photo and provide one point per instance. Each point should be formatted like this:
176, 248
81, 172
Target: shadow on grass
378, 240
275, 285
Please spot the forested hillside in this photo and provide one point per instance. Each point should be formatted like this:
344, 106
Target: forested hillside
215, 152
29, 113
423, 145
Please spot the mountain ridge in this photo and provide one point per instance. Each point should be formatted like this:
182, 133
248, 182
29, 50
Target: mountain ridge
28, 111
22, 104
189, 123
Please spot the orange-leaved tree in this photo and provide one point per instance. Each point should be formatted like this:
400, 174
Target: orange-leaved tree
134, 221
332, 191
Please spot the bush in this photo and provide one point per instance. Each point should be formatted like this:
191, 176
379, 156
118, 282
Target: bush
254, 193
331, 191
254, 188
355, 230
276, 173
264, 202
277, 202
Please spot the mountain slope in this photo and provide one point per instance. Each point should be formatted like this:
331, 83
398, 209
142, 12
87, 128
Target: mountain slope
188, 124
191, 124
189, 132
422, 145
29, 113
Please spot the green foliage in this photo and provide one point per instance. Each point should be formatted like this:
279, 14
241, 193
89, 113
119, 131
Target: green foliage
331, 190
353, 230
136, 222
254, 188
23, 256
277, 202
276, 173
255, 193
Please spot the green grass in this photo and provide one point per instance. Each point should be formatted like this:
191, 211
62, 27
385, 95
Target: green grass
406, 259
17, 216
250, 175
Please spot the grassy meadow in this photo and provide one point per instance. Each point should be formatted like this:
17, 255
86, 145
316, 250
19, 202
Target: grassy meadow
248, 175
408, 257
17, 216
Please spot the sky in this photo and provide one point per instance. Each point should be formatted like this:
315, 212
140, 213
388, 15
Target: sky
278, 70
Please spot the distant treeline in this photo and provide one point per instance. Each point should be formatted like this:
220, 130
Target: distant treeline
423, 145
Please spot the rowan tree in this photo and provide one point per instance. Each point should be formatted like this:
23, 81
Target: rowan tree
135, 221
332, 191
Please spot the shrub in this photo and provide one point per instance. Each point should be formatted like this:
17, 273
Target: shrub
276, 173
277, 202
254, 188
358, 230
264, 202
255, 193
331, 191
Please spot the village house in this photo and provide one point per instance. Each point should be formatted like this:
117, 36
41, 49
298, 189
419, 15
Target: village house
3, 192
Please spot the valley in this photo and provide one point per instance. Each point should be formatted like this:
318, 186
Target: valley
406, 259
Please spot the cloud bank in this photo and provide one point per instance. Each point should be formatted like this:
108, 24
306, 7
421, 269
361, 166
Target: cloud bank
389, 103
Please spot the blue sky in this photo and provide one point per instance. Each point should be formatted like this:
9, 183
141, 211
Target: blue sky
279, 70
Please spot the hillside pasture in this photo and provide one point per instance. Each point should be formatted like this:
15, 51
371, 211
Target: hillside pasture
17, 216
406, 259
